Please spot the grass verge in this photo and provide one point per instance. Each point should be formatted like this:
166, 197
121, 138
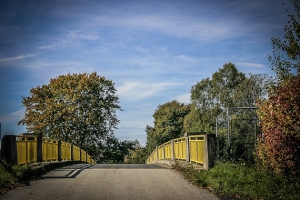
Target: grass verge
12, 176
241, 181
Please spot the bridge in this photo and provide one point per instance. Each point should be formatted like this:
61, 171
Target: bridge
109, 181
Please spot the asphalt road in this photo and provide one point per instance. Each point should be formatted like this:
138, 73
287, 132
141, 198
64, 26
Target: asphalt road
115, 182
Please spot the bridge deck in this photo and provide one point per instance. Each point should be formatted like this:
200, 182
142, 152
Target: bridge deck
84, 181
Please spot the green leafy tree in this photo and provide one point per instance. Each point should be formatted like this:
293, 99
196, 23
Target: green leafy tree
168, 123
151, 140
113, 151
224, 83
286, 52
211, 97
138, 155
227, 88
76, 108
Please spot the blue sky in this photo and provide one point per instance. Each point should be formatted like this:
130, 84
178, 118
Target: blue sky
154, 51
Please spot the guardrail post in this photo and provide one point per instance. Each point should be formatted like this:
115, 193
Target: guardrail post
59, 150
86, 158
72, 152
172, 148
164, 152
39, 148
157, 154
80, 154
210, 150
9, 149
187, 149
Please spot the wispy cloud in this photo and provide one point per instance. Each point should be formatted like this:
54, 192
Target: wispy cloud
135, 91
183, 98
53, 45
12, 117
176, 25
186, 58
83, 35
16, 58
252, 65
69, 38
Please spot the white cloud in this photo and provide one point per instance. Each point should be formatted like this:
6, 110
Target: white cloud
202, 28
252, 65
186, 58
135, 91
54, 68
12, 117
53, 45
83, 35
20, 57
69, 38
183, 98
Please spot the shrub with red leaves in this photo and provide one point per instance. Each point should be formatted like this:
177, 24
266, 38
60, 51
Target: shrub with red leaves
279, 149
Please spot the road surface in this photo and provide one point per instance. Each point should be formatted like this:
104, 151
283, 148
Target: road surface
84, 181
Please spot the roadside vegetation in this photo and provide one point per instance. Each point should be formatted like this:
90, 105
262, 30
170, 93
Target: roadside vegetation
12, 176
242, 181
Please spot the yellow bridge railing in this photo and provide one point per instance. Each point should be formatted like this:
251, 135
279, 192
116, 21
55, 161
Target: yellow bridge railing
25, 149
197, 149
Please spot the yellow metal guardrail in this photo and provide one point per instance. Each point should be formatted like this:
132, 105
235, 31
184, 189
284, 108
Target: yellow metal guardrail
196, 149
65, 150
27, 150
190, 148
180, 148
50, 149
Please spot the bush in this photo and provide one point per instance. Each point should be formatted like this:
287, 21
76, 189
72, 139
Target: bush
279, 149
12, 176
242, 181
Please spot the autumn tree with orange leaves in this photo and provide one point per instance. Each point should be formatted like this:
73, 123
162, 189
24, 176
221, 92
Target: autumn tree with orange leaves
76, 108
279, 148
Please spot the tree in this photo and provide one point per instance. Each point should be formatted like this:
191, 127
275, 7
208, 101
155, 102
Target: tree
76, 108
151, 140
286, 52
138, 155
211, 97
168, 123
227, 88
111, 150
279, 149
251, 89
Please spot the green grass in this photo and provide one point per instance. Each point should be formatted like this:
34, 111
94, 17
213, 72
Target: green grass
243, 182
12, 176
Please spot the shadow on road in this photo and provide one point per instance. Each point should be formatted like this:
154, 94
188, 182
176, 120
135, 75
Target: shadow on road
67, 172
74, 170
127, 166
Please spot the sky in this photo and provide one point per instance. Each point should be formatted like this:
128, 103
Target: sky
153, 50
